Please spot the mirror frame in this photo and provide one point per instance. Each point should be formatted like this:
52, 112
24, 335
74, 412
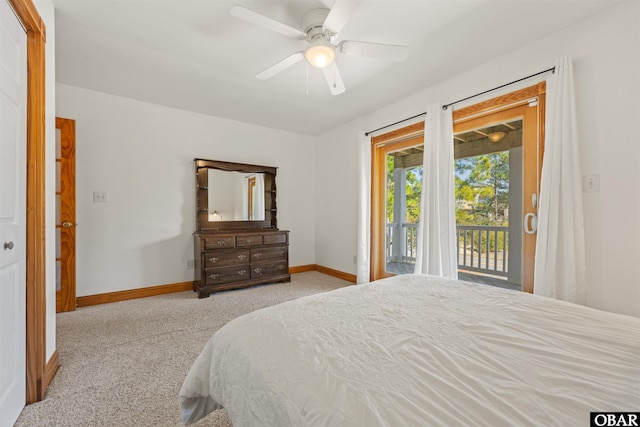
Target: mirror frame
203, 225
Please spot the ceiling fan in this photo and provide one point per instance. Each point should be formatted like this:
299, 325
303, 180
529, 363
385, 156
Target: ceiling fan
320, 28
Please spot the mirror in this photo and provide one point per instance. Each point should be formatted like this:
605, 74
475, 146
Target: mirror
234, 196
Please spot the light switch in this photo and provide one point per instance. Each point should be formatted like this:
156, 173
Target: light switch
591, 183
99, 197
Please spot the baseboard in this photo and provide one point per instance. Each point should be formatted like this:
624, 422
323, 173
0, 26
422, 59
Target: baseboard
326, 270
336, 273
133, 294
50, 369
302, 268
151, 291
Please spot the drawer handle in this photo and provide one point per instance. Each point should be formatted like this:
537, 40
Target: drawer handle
213, 276
258, 255
242, 272
257, 270
214, 260
280, 253
242, 257
280, 267
222, 243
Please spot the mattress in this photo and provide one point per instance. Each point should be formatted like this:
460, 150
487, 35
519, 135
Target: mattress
416, 350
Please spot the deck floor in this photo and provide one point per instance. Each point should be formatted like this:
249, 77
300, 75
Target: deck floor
407, 268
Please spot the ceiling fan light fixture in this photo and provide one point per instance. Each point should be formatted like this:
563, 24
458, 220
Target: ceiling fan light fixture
320, 54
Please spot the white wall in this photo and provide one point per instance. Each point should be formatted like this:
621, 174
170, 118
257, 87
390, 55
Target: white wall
46, 11
606, 53
142, 155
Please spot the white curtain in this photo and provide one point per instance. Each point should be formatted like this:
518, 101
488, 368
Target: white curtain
436, 252
560, 259
364, 208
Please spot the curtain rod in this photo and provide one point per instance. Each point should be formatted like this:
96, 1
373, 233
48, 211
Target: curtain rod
444, 107
393, 124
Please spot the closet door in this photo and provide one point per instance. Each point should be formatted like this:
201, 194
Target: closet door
13, 91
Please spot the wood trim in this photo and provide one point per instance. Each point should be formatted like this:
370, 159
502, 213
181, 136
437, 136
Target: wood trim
150, 291
336, 273
302, 268
36, 308
402, 133
406, 137
492, 105
51, 368
28, 14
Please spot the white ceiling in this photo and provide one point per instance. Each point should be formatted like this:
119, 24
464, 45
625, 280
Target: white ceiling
192, 55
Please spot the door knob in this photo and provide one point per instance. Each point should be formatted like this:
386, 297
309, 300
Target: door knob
8, 245
67, 224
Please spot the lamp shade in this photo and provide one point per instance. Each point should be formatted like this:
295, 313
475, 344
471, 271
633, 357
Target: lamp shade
320, 54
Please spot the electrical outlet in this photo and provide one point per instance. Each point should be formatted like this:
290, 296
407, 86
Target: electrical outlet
189, 264
591, 183
99, 197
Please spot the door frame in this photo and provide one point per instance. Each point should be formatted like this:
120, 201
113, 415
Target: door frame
510, 105
406, 137
36, 306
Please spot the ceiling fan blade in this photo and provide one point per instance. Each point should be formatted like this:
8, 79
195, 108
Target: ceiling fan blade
266, 22
280, 66
334, 80
340, 14
374, 50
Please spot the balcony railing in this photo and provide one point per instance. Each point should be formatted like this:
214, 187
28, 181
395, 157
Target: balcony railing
483, 249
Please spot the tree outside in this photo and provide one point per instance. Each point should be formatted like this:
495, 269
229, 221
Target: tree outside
482, 196
482, 189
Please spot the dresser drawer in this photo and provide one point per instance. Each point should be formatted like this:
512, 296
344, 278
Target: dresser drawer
249, 240
275, 239
216, 242
218, 276
269, 254
223, 258
269, 269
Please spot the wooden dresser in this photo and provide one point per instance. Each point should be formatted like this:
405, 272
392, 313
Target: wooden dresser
237, 241
240, 259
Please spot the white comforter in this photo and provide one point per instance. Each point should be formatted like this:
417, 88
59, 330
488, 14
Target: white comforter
418, 351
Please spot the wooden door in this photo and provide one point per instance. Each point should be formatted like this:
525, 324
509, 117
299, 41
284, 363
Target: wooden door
65, 215
13, 177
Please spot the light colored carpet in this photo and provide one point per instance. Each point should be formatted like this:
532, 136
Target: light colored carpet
122, 364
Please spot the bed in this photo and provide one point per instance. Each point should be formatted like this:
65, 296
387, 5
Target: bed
417, 350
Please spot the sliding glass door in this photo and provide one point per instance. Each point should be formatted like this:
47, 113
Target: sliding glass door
498, 146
